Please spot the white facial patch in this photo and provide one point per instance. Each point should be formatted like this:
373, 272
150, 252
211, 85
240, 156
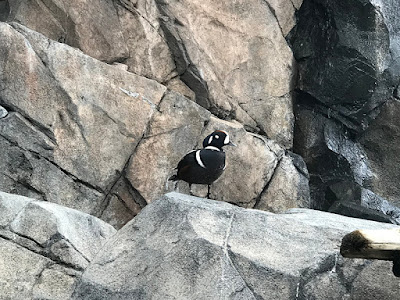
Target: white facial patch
217, 136
226, 141
210, 139
198, 159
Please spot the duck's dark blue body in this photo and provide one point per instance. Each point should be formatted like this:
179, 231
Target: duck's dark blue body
213, 165
206, 165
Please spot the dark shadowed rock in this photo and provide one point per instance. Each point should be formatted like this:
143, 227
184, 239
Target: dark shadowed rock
345, 64
348, 57
381, 142
182, 247
45, 247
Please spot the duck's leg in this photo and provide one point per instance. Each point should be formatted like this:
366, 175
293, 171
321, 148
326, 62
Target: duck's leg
208, 192
190, 189
175, 184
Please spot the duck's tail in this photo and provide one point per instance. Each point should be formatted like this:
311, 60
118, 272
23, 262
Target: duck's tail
173, 178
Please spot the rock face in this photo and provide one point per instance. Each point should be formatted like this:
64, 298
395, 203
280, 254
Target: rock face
108, 140
100, 99
348, 78
182, 247
235, 58
73, 147
174, 132
134, 39
45, 247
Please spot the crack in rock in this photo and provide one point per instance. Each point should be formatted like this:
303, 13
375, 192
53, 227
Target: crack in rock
70, 175
227, 259
43, 252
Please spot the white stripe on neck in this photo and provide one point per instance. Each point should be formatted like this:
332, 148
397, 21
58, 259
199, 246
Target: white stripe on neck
212, 148
198, 159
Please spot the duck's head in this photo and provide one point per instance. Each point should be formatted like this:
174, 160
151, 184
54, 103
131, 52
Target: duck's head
218, 139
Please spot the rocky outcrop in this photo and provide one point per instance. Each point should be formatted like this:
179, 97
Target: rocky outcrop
70, 128
99, 100
233, 57
185, 247
45, 247
108, 140
175, 70
346, 130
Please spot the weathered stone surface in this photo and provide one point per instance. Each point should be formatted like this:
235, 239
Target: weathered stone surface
73, 121
84, 24
182, 247
235, 58
346, 64
381, 142
149, 54
345, 114
55, 283
111, 31
45, 247
344, 170
122, 203
3, 112
279, 195
173, 132
250, 165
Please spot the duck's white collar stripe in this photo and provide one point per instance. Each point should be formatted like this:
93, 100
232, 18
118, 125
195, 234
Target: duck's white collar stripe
198, 159
212, 148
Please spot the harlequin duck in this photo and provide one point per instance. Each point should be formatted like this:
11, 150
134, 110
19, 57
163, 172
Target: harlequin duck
206, 165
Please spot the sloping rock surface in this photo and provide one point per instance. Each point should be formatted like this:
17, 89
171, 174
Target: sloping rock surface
111, 31
183, 247
45, 247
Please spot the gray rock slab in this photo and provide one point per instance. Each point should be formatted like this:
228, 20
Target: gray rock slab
45, 247
184, 247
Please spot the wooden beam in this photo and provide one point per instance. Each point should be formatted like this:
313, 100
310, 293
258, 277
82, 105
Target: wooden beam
372, 244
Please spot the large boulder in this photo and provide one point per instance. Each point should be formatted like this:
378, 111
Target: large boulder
346, 106
235, 58
45, 247
183, 247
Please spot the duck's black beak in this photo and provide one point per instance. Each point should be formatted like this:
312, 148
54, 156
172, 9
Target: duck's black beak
231, 144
